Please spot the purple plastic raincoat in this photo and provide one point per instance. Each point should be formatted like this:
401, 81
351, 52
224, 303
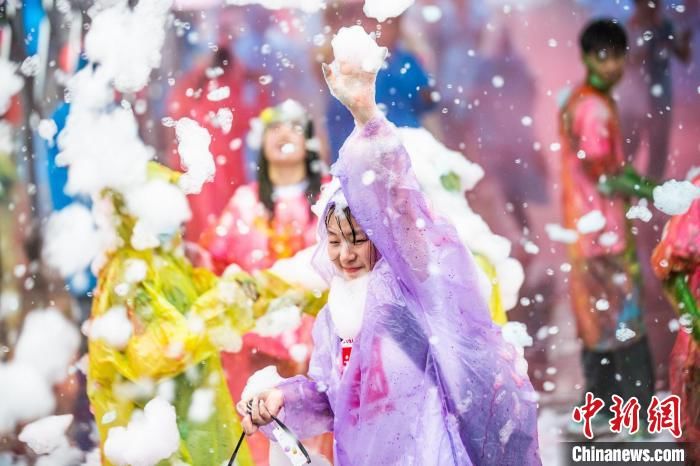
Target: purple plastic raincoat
430, 380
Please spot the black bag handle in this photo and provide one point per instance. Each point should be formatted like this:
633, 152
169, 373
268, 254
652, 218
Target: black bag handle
283, 427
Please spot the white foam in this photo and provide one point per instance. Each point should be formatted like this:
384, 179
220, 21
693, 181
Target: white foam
307, 6
261, 380
71, 240
127, 42
675, 197
384, 9
29, 397
150, 437
353, 45
47, 434
49, 343
197, 160
639, 212
560, 234
591, 222
146, 203
12, 83
202, 405
113, 327
276, 322
346, 303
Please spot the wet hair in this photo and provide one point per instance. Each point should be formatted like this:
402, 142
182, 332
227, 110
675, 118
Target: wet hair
313, 174
331, 216
604, 35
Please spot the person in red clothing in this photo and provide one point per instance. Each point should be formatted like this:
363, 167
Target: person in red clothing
604, 281
676, 260
216, 95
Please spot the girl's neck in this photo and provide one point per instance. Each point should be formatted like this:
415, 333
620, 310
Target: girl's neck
285, 175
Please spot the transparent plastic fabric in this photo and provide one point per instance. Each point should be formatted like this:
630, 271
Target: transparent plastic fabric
166, 348
430, 379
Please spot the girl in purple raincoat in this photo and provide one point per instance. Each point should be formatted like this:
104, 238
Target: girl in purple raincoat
407, 366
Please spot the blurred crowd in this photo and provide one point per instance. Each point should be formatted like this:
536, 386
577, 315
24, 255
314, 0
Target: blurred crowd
485, 77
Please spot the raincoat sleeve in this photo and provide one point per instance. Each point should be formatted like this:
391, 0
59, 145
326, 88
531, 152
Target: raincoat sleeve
386, 200
307, 411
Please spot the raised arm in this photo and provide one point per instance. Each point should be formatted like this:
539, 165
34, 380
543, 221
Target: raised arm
386, 200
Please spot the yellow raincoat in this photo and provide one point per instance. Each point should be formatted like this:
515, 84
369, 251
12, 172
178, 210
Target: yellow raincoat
182, 317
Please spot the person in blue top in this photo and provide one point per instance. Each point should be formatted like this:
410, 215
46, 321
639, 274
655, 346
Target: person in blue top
81, 284
403, 88
33, 15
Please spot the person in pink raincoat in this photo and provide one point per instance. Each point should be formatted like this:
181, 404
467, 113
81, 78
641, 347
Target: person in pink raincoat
271, 218
604, 283
407, 367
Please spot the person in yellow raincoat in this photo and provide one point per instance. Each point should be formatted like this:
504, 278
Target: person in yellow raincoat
498, 312
181, 318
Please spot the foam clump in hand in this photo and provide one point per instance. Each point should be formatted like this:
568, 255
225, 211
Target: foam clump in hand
354, 46
261, 380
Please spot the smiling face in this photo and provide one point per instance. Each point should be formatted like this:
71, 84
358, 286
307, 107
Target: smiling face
349, 248
284, 144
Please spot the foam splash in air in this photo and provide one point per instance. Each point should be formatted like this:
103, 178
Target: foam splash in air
150, 437
675, 197
383, 9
